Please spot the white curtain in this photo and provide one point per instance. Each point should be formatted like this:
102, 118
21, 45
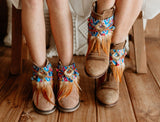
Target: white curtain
150, 8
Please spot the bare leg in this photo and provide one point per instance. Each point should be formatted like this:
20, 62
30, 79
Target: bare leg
123, 19
125, 15
61, 24
34, 29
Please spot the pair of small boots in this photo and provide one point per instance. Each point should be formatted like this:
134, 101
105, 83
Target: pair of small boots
104, 60
44, 101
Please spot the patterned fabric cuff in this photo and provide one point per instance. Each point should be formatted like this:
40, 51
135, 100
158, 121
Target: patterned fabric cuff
117, 57
67, 73
42, 74
102, 27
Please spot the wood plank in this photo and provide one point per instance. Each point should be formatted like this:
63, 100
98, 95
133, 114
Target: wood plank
12, 100
153, 58
87, 110
16, 66
29, 115
139, 44
122, 112
145, 96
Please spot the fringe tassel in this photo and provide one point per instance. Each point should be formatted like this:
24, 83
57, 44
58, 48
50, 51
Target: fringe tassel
106, 44
118, 71
77, 84
66, 89
48, 93
95, 43
91, 43
97, 46
45, 88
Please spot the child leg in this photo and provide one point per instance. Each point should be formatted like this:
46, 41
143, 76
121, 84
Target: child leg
61, 24
34, 32
125, 15
33, 25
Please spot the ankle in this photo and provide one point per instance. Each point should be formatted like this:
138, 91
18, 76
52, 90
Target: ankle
103, 5
66, 62
41, 63
116, 41
119, 45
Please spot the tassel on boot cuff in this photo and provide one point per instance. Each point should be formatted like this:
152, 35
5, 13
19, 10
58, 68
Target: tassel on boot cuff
100, 29
42, 81
117, 55
68, 76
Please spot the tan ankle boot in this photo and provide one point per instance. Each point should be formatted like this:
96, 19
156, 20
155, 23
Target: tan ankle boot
43, 96
100, 28
68, 94
108, 90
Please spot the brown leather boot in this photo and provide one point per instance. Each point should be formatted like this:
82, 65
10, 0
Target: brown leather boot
68, 94
43, 96
100, 29
108, 88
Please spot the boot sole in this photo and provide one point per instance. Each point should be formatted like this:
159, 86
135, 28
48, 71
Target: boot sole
95, 77
108, 105
69, 109
43, 112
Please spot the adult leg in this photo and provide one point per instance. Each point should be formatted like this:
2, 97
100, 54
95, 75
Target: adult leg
61, 24
103, 5
100, 29
123, 21
125, 14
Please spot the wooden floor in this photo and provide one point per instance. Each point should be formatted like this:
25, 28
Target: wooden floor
139, 94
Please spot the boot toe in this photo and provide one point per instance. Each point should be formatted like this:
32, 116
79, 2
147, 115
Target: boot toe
43, 104
71, 101
68, 103
95, 68
107, 96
